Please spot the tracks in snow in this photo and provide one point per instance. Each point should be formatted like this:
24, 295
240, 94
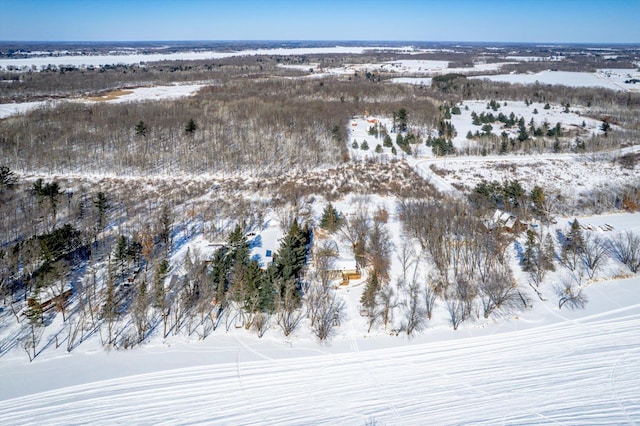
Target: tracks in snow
585, 371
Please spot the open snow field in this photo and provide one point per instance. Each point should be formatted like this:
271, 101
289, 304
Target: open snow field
559, 173
138, 94
129, 59
149, 93
542, 367
7, 110
608, 79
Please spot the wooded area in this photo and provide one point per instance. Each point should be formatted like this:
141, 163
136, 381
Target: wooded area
98, 199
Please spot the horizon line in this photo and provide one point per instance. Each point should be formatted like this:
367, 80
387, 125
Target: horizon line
327, 41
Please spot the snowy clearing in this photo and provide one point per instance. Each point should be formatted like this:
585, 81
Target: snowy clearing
149, 93
607, 80
7, 110
555, 172
138, 94
603, 78
404, 66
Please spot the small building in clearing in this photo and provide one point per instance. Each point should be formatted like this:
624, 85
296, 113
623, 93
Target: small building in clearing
346, 269
506, 221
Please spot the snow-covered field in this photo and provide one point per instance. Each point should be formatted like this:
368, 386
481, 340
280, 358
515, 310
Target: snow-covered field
129, 59
608, 79
571, 120
400, 67
7, 110
150, 93
138, 94
542, 366
520, 58
566, 174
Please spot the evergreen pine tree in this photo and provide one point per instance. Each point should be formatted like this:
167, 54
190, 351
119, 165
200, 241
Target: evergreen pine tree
7, 178
523, 135
292, 254
549, 253
368, 298
537, 198
475, 120
102, 204
529, 256
330, 219
141, 129
253, 277
573, 245
121, 253
191, 127
402, 120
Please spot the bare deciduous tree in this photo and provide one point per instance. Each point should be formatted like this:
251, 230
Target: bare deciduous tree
34, 328
330, 313
415, 313
407, 257
289, 313
571, 295
110, 311
260, 323
388, 302
139, 311
456, 311
379, 249
593, 253
626, 248
498, 288
324, 257
355, 229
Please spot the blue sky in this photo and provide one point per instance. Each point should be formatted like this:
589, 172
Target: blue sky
560, 21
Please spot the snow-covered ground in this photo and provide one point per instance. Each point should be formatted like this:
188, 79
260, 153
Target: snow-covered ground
608, 79
99, 60
534, 58
7, 110
542, 366
570, 120
138, 94
568, 174
534, 365
150, 93
613, 79
529, 365
573, 120
400, 67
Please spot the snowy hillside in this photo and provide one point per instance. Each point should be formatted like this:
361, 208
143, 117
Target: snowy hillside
543, 366
527, 365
